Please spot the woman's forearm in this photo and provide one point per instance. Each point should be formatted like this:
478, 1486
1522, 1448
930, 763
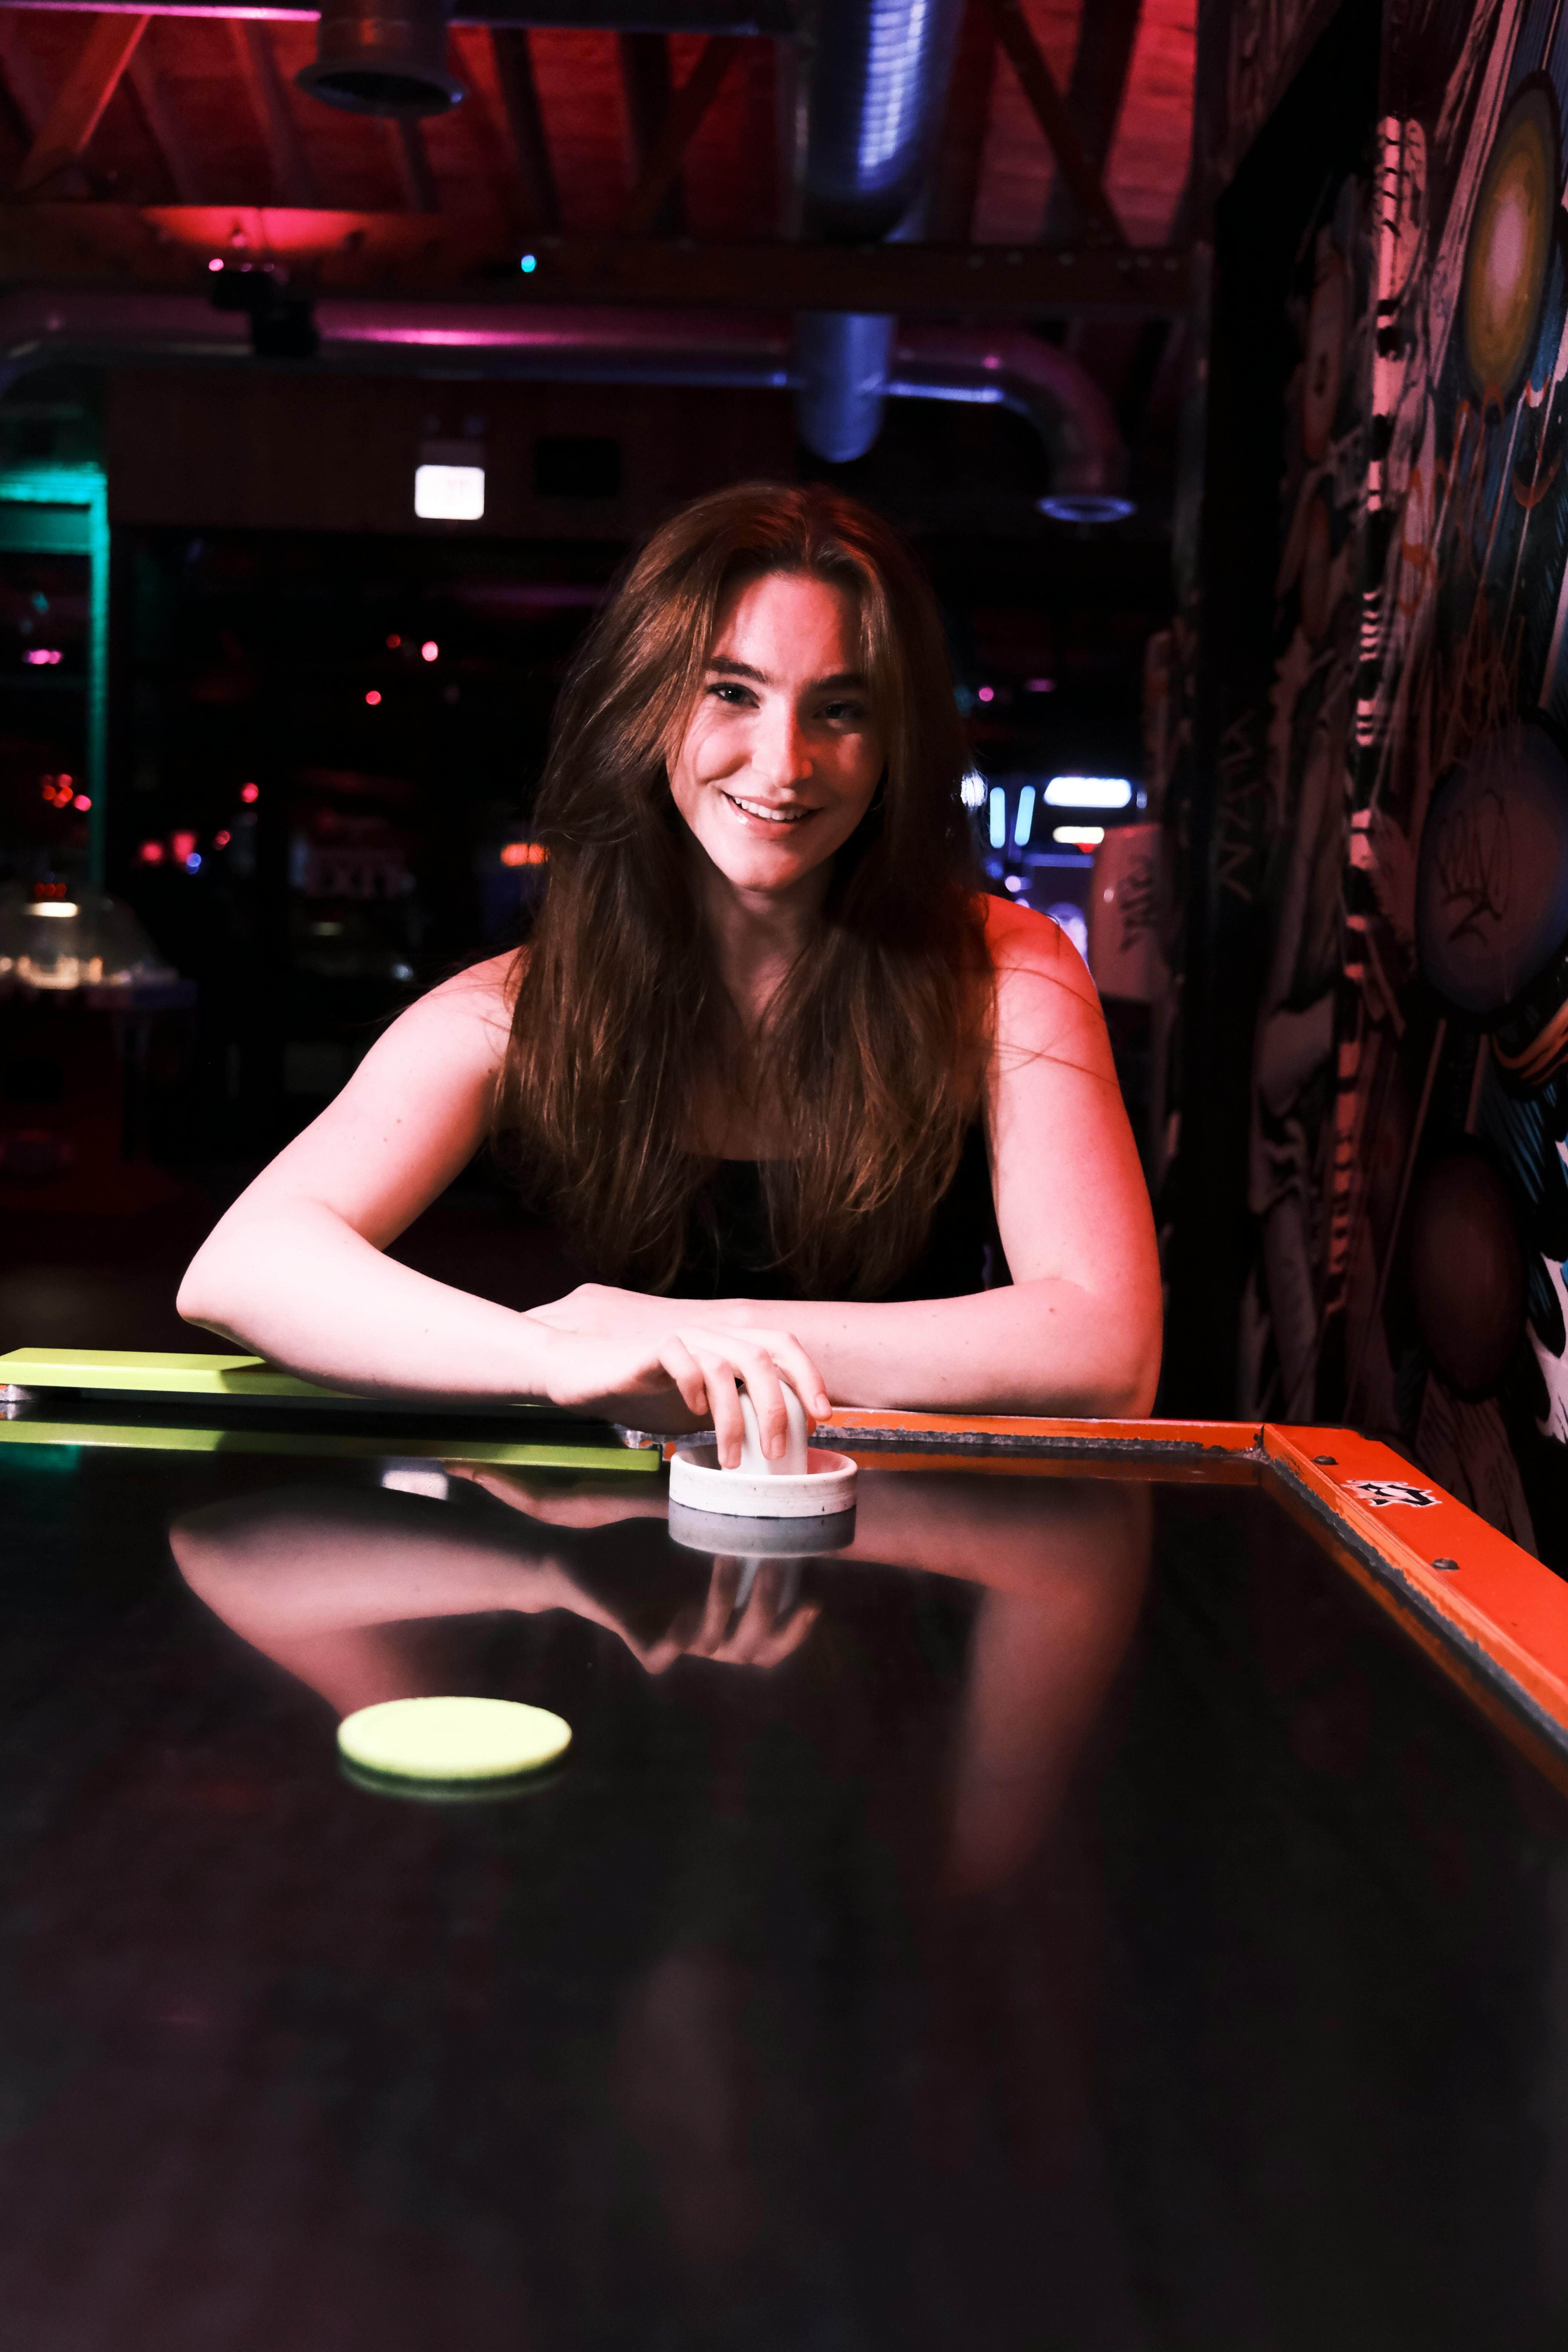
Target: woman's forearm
291, 1280
1044, 1346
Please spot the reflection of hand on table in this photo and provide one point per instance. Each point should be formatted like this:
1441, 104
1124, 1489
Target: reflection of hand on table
345, 1590
553, 1506
770, 1627
771, 1624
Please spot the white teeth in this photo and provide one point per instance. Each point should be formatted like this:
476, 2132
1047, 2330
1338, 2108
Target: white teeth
769, 816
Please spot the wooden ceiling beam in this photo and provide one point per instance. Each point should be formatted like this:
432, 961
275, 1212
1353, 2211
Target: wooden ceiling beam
166, 247
961, 158
13, 112
78, 110
647, 91
679, 127
292, 177
525, 122
165, 127
1052, 114
776, 20
1107, 34
412, 160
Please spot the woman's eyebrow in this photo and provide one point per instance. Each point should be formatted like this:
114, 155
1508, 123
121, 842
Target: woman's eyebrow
727, 668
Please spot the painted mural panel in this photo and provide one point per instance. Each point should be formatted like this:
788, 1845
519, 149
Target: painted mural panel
1284, 843
1448, 1228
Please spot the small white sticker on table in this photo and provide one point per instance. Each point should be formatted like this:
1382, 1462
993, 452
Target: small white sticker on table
1385, 1493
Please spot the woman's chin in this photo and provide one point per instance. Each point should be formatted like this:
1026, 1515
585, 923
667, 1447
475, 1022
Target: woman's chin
772, 873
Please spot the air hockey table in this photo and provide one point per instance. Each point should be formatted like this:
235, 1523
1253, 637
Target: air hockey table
1116, 1900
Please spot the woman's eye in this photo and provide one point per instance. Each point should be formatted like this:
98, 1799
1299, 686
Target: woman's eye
843, 714
737, 697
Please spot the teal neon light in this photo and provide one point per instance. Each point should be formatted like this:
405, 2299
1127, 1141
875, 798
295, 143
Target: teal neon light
64, 511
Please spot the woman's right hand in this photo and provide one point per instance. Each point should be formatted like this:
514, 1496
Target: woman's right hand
680, 1376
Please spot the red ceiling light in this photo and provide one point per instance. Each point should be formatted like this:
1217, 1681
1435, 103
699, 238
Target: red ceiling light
429, 650
250, 794
151, 853
373, 697
183, 845
82, 801
392, 643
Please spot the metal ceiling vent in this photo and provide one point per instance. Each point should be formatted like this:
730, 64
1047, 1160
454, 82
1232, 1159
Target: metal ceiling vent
382, 56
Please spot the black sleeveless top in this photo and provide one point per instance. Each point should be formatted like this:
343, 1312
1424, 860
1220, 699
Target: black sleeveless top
730, 1257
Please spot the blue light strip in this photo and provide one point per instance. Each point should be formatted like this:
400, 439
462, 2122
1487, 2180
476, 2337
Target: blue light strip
998, 817
79, 486
1026, 818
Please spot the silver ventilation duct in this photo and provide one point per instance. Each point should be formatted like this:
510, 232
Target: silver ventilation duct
382, 56
873, 82
1002, 366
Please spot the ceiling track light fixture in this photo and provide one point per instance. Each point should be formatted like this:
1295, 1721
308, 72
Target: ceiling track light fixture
382, 56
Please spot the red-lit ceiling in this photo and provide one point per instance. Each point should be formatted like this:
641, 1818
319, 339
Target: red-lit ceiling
188, 123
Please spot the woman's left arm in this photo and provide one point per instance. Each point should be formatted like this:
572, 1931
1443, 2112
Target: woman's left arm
1079, 1331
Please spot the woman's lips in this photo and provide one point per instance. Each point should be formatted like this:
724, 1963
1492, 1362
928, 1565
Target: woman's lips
765, 816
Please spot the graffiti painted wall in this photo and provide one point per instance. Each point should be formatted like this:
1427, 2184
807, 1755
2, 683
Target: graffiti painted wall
1392, 802
1286, 839
1450, 1220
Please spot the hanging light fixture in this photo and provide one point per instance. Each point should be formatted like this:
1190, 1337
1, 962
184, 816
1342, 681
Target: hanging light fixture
382, 56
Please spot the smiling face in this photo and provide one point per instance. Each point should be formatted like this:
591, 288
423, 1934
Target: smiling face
781, 756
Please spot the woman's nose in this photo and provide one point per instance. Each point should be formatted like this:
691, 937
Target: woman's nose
779, 752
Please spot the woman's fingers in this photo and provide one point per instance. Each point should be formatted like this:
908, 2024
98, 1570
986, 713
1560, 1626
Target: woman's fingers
762, 1361
799, 1370
685, 1368
724, 1585
757, 1368
721, 1372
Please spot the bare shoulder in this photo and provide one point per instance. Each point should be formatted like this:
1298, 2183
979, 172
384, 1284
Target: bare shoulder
1024, 945
1047, 1006
488, 988
469, 1015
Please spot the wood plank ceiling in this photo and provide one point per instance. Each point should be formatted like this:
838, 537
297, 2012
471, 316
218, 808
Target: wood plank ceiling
204, 109
599, 135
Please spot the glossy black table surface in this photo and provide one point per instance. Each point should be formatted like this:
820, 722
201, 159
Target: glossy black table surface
1073, 1915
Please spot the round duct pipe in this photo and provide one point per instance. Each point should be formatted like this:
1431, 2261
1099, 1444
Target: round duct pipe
1010, 368
841, 361
598, 344
875, 85
382, 56
874, 78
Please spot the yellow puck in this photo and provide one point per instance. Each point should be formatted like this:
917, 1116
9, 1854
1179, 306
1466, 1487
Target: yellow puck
466, 1740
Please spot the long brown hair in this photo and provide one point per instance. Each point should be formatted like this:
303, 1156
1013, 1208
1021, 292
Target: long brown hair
874, 1043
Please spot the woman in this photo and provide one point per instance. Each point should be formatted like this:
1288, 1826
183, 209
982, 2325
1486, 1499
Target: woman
765, 1040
